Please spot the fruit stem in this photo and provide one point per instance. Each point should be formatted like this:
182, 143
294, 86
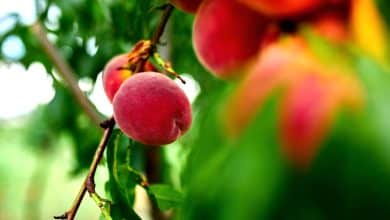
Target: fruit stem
103, 204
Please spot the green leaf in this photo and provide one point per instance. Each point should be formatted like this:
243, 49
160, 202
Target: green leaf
122, 180
119, 213
166, 196
376, 82
240, 178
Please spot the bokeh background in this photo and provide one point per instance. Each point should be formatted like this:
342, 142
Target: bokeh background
47, 141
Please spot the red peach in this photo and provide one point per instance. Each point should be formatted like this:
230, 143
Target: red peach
338, 3
116, 72
190, 6
226, 35
149, 67
269, 72
150, 108
332, 25
307, 111
311, 96
283, 8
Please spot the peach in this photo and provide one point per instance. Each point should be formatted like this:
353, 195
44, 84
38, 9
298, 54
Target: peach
332, 25
151, 109
283, 8
311, 94
149, 67
338, 3
308, 110
226, 35
190, 6
116, 72
269, 72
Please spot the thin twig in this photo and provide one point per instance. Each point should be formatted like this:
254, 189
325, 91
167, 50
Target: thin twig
168, 9
163, 22
88, 183
66, 72
109, 126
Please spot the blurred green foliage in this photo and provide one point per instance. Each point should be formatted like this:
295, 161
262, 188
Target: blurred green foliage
222, 178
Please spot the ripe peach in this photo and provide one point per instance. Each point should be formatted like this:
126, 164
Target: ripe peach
150, 108
226, 35
309, 108
338, 3
269, 72
307, 111
283, 8
332, 25
311, 94
190, 6
116, 72
149, 67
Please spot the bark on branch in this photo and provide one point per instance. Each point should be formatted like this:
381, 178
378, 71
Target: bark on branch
66, 72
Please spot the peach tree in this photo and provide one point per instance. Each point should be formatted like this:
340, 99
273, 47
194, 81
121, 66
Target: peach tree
291, 120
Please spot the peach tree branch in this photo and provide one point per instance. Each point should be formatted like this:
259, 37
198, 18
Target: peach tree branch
88, 183
66, 72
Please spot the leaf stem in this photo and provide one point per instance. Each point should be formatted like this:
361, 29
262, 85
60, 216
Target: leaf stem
103, 204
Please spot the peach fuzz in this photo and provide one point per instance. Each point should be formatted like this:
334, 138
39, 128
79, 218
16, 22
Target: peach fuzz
150, 108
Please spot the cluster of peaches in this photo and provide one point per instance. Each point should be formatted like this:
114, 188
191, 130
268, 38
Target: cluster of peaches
149, 107
261, 44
